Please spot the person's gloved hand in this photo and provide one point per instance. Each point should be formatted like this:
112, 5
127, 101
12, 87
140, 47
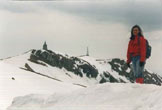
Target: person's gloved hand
128, 64
142, 64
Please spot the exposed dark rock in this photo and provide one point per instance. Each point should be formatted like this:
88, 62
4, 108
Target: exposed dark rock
80, 85
29, 68
73, 64
103, 80
80, 67
120, 66
35, 61
68, 74
13, 78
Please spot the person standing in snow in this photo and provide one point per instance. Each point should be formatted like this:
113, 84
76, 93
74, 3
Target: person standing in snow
136, 53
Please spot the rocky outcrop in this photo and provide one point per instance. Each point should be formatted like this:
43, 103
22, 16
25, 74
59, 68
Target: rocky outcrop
120, 66
73, 64
81, 67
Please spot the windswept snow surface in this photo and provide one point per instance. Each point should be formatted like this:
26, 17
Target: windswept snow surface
26, 82
18, 82
36, 92
108, 96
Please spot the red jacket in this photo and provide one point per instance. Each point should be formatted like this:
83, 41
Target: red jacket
137, 48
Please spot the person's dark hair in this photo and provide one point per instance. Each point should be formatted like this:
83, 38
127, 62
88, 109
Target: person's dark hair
140, 34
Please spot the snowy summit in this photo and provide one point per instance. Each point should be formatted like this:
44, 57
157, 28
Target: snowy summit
45, 80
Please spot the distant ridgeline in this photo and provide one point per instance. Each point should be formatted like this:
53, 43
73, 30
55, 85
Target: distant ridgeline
81, 67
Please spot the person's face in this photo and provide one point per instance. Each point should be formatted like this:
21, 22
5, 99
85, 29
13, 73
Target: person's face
135, 31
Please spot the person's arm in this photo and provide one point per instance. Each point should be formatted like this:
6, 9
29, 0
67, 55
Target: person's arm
128, 53
142, 49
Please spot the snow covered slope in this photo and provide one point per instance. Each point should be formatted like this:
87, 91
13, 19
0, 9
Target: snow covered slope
47, 72
60, 74
107, 96
18, 82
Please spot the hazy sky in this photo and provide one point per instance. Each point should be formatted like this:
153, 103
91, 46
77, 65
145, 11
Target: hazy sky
70, 26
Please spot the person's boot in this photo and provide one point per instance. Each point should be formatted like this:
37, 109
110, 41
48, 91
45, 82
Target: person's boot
137, 80
141, 80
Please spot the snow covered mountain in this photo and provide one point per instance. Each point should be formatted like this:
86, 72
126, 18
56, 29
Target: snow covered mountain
48, 72
100, 70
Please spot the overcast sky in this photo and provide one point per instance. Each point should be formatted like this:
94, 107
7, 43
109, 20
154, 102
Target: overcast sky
70, 26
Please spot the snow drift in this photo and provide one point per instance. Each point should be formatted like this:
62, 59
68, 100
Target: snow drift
108, 96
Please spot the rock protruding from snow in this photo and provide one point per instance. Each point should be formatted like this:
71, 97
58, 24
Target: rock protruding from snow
73, 64
114, 70
120, 67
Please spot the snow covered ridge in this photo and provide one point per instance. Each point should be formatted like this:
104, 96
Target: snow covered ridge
48, 72
108, 96
66, 68
81, 66
114, 70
